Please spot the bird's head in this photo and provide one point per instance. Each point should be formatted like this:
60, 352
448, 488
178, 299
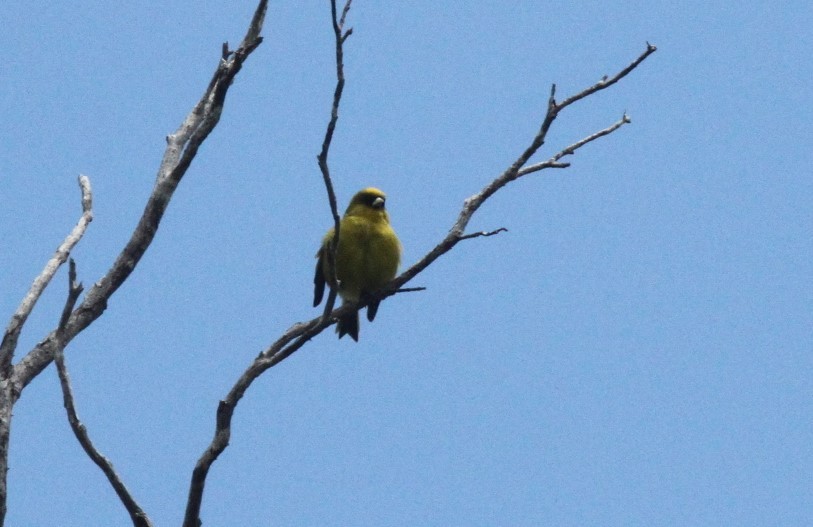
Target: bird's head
369, 202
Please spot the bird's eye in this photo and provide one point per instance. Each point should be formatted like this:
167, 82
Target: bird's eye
378, 203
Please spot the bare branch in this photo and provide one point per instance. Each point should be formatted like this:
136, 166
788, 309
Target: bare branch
410, 289
570, 150
340, 36
298, 334
293, 339
182, 146
513, 172
343, 17
607, 82
137, 515
74, 290
480, 234
14, 328
253, 38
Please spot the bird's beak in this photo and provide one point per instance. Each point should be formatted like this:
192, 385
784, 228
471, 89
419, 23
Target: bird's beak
378, 203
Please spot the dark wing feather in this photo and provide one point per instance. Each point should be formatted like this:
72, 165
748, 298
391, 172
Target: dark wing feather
318, 280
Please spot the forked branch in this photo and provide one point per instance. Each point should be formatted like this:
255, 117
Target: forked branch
299, 334
182, 146
515, 171
340, 35
9, 343
137, 514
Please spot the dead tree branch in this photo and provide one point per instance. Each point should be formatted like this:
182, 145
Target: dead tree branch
182, 146
9, 391
299, 334
264, 361
553, 162
340, 36
137, 515
18, 319
515, 171
477, 235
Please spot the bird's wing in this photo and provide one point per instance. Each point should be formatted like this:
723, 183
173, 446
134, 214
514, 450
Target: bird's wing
319, 278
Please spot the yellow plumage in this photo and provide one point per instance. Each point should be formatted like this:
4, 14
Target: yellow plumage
367, 257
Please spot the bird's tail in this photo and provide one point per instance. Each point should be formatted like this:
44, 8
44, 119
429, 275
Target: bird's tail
349, 325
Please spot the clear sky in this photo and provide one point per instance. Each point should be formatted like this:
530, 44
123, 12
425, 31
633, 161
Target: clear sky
635, 350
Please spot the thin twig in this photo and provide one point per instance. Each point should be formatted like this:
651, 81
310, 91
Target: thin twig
410, 289
343, 17
481, 234
74, 290
182, 146
606, 82
15, 326
339, 36
137, 514
553, 162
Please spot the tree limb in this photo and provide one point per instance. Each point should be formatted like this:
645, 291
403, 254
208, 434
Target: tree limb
340, 36
137, 515
298, 334
553, 162
607, 82
516, 171
18, 319
182, 146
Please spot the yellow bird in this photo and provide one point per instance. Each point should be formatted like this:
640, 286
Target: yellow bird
367, 257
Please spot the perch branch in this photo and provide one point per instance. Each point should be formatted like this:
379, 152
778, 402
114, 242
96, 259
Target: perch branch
299, 334
182, 146
137, 515
14, 328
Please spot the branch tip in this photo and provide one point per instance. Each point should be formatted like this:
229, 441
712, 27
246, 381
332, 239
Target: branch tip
409, 290
137, 515
345, 10
482, 234
10, 338
347, 34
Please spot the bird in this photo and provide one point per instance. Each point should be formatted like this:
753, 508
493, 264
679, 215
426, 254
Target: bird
367, 258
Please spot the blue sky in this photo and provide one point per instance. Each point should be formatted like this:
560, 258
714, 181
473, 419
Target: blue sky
635, 350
